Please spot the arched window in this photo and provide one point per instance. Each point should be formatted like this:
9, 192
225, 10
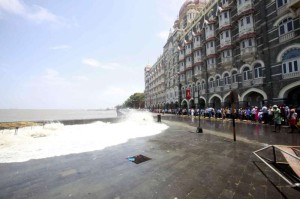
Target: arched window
203, 85
258, 70
226, 79
211, 83
246, 74
234, 77
291, 61
286, 25
218, 82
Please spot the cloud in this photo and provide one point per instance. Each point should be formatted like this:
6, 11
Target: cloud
80, 78
52, 77
34, 13
163, 35
96, 64
60, 47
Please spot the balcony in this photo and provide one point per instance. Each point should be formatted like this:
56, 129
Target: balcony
202, 92
247, 5
182, 68
211, 67
227, 87
248, 53
209, 33
291, 75
224, 22
197, 59
286, 37
210, 51
212, 90
188, 64
234, 85
188, 50
226, 61
182, 80
197, 44
190, 78
181, 56
225, 42
218, 89
258, 81
247, 83
246, 30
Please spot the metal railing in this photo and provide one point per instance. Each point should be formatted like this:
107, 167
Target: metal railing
270, 163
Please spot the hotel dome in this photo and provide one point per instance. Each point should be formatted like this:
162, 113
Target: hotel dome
190, 2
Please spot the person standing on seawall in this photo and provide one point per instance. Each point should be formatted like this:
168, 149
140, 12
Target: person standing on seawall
276, 118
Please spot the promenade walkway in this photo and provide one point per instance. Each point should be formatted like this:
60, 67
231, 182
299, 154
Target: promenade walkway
183, 164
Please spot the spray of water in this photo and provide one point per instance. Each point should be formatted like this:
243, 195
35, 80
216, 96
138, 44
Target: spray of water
55, 139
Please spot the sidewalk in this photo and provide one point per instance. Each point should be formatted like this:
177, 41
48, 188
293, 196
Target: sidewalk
183, 164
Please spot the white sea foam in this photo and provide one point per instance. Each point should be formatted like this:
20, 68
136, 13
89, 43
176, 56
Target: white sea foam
56, 139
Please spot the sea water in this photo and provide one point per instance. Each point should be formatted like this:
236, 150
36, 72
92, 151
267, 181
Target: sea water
15, 115
56, 139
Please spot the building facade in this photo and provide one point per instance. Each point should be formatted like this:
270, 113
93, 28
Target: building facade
251, 47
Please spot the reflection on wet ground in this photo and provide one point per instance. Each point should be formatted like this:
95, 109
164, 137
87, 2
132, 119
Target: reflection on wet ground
253, 131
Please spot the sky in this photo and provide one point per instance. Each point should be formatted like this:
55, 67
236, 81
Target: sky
79, 54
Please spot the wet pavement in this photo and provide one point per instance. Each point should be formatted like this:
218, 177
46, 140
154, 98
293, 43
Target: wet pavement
255, 131
183, 164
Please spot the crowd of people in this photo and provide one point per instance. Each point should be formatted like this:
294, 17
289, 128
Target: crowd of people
277, 115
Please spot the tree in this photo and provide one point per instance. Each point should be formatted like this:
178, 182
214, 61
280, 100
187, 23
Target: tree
137, 100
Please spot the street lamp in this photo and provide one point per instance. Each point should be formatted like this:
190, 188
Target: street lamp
199, 129
179, 90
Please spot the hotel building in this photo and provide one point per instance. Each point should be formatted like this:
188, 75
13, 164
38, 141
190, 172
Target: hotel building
251, 47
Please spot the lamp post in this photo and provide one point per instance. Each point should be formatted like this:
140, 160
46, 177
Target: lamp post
179, 91
233, 97
199, 129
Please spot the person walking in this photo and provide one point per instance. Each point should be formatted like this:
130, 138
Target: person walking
270, 115
292, 120
265, 116
277, 118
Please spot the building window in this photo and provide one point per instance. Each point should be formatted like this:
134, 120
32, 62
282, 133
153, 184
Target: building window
218, 83
281, 3
224, 1
226, 53
211, 61
226, 79
242, 22
258, 71
225, 15
248, 19
234, 77
247, 43
291, 66
291, 61
246, 74
286, 26
227, 34
211, 83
